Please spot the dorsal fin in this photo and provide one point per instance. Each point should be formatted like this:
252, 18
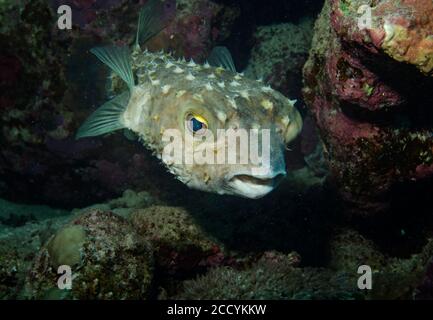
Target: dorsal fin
221, 57
154, 17
118, 59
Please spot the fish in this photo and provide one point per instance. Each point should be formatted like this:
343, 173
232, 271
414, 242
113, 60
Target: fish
166, 94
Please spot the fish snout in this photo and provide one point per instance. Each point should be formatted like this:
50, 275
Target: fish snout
255, 186
256, 182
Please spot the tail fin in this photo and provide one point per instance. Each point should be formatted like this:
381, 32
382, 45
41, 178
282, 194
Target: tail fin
154, 17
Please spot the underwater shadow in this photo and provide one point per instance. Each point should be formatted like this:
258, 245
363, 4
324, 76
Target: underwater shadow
285, 220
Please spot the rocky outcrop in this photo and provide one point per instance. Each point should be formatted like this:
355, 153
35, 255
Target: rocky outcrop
368, 85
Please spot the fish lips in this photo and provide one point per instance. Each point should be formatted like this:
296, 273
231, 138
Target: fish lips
248, 185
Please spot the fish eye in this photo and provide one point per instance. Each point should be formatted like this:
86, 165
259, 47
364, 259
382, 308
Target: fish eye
196, 124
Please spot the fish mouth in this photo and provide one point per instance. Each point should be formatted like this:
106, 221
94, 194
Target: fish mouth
254, 187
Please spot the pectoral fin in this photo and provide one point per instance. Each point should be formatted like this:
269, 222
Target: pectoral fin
106, 119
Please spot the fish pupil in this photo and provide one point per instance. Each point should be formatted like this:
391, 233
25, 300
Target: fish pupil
196, 125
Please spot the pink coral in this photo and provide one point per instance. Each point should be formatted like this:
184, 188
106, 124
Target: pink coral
370, 98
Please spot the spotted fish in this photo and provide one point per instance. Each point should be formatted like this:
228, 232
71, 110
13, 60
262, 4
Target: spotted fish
167, 93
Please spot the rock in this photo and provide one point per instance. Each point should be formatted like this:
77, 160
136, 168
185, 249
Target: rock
274, 277
279, 276
180, 244
66, 246
393, 278
371, 103
279, 53
108, 258
11, 270
199, 24
124, 205
18, 247
349, 250
424, 291
400, 30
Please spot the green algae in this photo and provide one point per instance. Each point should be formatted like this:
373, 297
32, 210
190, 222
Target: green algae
368, 90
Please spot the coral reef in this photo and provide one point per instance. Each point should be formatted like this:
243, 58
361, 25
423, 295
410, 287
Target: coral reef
18, 247
10, 266
129, 202
24, 229
274, 277
198, 25
108, 258
368, 90
393, 277
155, 251
425, 289
279, 53
180, 245
279, 276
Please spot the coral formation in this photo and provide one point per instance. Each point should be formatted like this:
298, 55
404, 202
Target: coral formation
425, 289
278, 276
393, 277
18, 247
180, 244
66, 246
196, 28
279, 53
274, 276
165, 252
129, 202
10, 268
368, 91
108, 258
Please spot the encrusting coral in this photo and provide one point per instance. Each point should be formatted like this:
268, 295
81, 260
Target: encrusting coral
108, 259
369, 92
